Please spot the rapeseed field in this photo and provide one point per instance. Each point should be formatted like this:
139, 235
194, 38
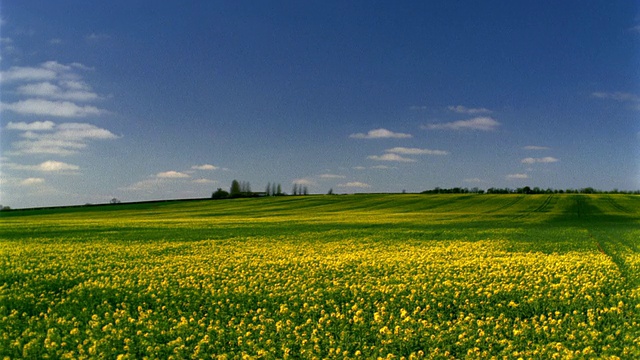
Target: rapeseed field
349, 277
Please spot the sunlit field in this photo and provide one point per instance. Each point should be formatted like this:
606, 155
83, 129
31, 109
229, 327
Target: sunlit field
357, 276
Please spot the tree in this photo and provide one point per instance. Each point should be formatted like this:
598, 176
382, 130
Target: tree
279, 190
267, 190
305, 191
235, 190
220, 194
115, 201
295, 189
330, 192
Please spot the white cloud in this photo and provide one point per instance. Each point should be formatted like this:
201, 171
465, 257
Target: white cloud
381, 167
359, 168
418, 107
52, 165
534, 147
42, 107
303, 181
25, 73
390, 157
484, 123
204, 167
55, 41
44, 137
469, 111
355, 184
172, 175
416, 151
517, 176
47, 166
31, 181
379, 134
332, 176
67, 90
547, 159
33, 126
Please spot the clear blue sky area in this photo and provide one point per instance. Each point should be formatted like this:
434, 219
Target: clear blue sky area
142, 100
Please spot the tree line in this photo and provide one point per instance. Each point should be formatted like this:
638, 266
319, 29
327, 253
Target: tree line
242, 189
525, 190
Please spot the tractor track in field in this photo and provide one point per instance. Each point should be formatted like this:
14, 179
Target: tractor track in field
614, 250
617, 206
543, 207
505, 206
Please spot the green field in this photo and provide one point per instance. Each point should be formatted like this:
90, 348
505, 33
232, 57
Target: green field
354, 276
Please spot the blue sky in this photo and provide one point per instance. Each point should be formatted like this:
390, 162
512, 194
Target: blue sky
142, 100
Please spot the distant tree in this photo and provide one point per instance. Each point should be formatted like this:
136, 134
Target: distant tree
220, 194
305, 191
330, 192
279, 190
295, 189
245, 188
235, 190
114, 201
267, 190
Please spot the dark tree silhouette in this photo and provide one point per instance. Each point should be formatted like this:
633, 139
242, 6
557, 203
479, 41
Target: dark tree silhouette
220, 194
235, 190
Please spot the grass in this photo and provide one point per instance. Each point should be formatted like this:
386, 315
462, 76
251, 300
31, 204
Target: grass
358, 276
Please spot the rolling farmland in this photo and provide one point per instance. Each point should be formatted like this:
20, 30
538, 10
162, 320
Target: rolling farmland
357, 276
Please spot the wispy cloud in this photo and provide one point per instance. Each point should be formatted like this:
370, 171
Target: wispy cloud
32, 181
535, 147
204, 167
355, 184
25, 73
42, 107
517, 176
45, 137
33, 126
631, 100
479, 123
469, 111
617, 96
380, 134
66, 90
303, 181
390, 157
547, 159
172, 175
332, 176
47, 166
50, 89
416, 151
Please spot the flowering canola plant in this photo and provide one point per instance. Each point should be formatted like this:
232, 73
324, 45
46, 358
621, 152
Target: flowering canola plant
475, 292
